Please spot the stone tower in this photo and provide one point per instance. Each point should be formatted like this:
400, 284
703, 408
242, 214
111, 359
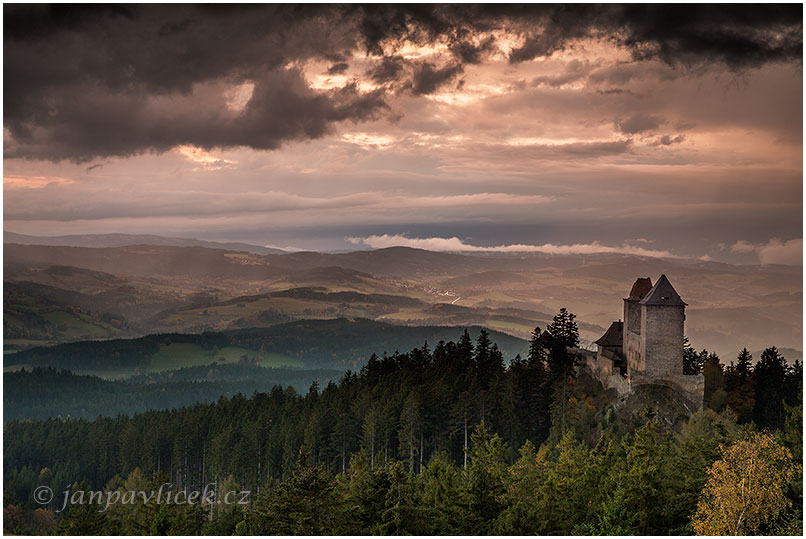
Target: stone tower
663, 314
633, 349
653, 327
650, 351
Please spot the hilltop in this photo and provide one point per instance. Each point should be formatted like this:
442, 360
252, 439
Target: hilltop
122, 240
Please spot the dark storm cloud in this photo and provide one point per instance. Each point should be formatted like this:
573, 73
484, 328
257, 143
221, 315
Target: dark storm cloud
337, 68
89, 84
282, 108
387, 70
428, 78
737, 35
639, 123
470, 53
86, 81
667, 140
416, 77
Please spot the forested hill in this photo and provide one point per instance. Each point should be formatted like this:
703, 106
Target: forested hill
333, 344
44, 393
440, 440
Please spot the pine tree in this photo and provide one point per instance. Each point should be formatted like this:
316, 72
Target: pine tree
484, 480
483, 344
769, 378
537, 349
85, 516
739, 386
411, 428
564, 330
637, 501
714, 394
441, 493
305, 504
690, 358
464, 349
563, 334
744, 367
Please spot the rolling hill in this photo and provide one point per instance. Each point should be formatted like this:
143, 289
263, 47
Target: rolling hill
122, 240
157, 288
330, 344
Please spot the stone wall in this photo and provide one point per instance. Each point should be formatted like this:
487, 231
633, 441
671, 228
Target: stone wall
633, 351
662, 339
604, 363
618, 382
601, 368
690, 387
632, 316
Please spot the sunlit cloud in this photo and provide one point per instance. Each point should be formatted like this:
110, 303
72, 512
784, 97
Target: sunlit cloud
454, 244
238, 96
202, 157
774, 251
367, 140
412, 50
34, 182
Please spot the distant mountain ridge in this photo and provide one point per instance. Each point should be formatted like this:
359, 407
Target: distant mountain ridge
731, 306
124, 240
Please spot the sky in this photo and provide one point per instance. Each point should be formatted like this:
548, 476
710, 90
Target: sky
652, 130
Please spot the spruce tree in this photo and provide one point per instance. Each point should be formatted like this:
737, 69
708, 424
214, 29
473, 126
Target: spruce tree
744, 367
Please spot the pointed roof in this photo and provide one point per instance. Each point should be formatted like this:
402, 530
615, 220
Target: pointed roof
614, 335
663, 293
640, 288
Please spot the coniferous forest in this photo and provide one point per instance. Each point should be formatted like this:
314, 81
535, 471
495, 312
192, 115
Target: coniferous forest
402, 269
452, 439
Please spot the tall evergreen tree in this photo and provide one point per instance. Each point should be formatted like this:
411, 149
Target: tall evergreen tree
563, 328
484, 480
84, 516
411, 428
691, 358
769, 378
744, 365
563, 335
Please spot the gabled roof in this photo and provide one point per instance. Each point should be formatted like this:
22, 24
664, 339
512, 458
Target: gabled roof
663, 293
613, 336
640, 288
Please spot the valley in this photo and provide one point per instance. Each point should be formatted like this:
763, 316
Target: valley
68, 293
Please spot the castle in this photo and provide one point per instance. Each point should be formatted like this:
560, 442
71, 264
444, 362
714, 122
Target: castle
646, 348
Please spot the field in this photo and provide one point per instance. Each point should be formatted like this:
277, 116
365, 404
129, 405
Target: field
179, 355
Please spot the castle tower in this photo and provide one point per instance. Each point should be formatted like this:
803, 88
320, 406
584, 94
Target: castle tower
663, 314
651, 349
631, 340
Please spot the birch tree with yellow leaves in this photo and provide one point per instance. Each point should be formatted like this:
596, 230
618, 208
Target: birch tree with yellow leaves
746, 489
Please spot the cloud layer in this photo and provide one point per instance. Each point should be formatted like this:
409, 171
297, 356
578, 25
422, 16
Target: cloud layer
88, 82
553, 127
774, 251
456, 245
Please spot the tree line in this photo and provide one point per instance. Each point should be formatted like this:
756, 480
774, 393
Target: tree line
41, 393
449, 440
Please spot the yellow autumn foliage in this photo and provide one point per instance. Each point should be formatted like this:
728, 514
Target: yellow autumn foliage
746, 488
